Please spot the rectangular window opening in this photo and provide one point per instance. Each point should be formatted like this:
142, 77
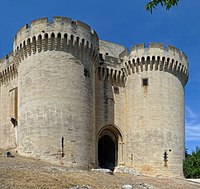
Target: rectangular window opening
14, 103
145, 82
86, 72
116, 90
62, 145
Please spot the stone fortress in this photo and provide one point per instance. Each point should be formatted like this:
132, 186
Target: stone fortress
69, 98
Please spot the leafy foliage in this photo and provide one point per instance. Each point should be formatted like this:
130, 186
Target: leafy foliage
191, 164
164, 3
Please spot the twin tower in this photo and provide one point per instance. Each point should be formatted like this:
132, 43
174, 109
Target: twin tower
69, 98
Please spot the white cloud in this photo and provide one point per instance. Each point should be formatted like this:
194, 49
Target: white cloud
192, 125
190, 114
192, 132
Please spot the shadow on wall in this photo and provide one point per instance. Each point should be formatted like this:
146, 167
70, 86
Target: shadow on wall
109, 137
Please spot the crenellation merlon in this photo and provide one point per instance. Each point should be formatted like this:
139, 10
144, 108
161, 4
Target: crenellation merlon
138, 47
116, 76
21, 30
123, 54
39, 21
107, 48
112, 60
8, 68
62, 19
175, 50
83, 25
156, 45
6, 58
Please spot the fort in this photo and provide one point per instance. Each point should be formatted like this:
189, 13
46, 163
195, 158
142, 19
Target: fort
69, 98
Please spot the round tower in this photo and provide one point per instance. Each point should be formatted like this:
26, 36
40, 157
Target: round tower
56, 63
155, 109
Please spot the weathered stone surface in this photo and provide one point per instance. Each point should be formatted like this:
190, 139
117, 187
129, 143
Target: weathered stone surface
123, 169
127, 186
66, 98
108, 171
81, 187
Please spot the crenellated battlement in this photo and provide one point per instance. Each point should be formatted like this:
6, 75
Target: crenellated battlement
56, 20
156, 57
62, 34
8, 69
6, 58
116, 76
111, 69
110, 61
58, 24
156, 49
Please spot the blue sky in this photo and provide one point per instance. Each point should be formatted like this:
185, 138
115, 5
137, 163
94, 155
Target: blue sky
127, 23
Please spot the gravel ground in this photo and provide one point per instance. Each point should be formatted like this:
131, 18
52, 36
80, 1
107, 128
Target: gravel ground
25, 173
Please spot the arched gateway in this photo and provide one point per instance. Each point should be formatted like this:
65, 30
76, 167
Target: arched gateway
109, 151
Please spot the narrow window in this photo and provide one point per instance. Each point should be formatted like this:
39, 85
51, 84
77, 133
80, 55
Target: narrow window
116, 90
145, 82
100, 56
62, 145
14, 106
86, 72
165, 156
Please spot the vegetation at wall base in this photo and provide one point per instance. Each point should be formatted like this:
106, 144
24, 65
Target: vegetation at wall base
191, 164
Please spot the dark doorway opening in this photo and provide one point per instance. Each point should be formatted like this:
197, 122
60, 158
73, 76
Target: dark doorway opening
106, 153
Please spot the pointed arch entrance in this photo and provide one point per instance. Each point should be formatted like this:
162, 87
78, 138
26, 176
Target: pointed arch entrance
109, 147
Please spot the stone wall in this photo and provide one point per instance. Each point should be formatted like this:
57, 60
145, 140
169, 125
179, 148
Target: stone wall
155, 123
56, 92
155, 109
66, 89
8, 103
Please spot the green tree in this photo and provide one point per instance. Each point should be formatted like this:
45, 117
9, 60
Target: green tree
164, 3
191, 164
